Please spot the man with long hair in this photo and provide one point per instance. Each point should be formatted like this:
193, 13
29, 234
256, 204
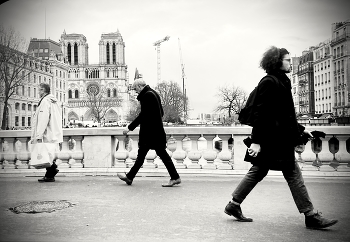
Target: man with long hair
274, 136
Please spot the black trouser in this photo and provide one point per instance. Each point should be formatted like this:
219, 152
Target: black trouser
51, 171
164, 156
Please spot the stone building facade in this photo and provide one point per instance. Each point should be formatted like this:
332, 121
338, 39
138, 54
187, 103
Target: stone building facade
323, 83
23, 103
109, 77
340, 47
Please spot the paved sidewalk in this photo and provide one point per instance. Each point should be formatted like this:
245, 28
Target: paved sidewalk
109, 210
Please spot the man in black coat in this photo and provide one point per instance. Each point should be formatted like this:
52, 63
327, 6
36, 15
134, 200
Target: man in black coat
152, 134
274, 136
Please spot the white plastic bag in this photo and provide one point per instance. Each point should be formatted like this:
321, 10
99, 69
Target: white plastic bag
42, 155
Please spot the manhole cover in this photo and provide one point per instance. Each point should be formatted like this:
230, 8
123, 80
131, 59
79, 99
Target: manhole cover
41, 206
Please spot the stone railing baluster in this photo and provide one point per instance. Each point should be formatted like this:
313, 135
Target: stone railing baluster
77, 154
179, 154
225, 154
325, 155
209, 154
316, 147
194, 154
333, 145
343, 155
187, 146
120, 154
23, 155
64, 154
309, 157
9, 153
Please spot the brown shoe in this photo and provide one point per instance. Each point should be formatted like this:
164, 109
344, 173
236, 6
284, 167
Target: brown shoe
317, 221
235, 211
124, 178
172, 183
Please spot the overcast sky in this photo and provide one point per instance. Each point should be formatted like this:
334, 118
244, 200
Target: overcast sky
222, 41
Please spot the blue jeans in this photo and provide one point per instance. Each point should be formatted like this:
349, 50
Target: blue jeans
293, 177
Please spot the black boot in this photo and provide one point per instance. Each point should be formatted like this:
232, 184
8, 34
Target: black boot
235, 211
316, 221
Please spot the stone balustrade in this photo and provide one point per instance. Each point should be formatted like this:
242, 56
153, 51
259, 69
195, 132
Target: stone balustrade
193, 149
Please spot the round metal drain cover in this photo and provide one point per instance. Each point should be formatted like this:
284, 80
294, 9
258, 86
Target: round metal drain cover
41, 206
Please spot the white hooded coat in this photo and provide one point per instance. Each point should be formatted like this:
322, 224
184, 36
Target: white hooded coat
47, 121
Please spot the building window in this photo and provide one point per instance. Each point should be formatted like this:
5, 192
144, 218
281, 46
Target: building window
108, 92
115, 92
16, 121
23, 121
69, 52
107, 53
69, 93
76, 94
75, 55
114, 54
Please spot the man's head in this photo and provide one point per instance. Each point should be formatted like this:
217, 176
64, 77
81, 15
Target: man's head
276, 59
138, 85
44, 89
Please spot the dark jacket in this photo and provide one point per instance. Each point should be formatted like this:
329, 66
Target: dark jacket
152, 134
277, 130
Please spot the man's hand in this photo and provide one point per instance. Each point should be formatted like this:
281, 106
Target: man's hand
311, 137
254, 149
125, 131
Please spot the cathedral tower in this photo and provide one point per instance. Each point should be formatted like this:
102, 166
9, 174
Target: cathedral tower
75, 48
112, 49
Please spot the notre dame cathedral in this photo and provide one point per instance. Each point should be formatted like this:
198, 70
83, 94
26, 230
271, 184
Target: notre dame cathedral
109, 76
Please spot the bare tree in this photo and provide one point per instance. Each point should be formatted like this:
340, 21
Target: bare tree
173, 101
99, 102
231, 100
134, 110
14, 66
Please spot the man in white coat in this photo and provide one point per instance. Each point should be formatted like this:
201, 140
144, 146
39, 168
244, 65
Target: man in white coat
47, 126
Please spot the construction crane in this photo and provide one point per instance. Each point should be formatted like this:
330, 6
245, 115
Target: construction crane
183, 79
157, 44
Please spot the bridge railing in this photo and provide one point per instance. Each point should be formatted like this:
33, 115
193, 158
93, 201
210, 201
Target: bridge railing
196, 149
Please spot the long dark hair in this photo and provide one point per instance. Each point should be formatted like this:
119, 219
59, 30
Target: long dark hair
272, 59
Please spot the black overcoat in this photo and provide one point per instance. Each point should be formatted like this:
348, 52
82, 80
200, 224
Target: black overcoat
152, 134
276, 128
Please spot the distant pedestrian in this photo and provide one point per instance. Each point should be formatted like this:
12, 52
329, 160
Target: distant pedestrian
47, 126
274, 135
152, 134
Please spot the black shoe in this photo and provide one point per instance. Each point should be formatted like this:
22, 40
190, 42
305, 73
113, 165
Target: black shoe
172, 183
124, 178
46, 179
316, 221
235, 211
